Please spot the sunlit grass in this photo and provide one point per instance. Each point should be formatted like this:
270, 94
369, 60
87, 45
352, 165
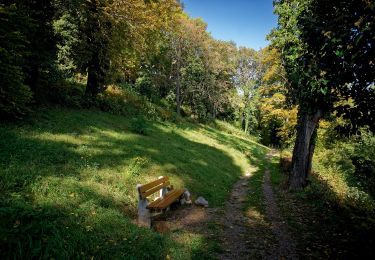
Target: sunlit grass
68, 178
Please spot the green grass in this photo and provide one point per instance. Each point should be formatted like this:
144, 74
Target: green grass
68, 178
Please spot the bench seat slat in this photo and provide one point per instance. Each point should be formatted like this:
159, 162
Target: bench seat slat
167, 200
155, 203
150, 185
154, 189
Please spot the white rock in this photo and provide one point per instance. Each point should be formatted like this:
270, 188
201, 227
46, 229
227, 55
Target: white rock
201, 202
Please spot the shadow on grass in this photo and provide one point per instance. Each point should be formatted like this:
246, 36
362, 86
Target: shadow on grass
323, 225
63, 184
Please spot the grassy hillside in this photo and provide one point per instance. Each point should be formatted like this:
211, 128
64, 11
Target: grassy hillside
68, 178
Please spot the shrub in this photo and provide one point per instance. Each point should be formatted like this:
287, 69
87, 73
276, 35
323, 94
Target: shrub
68, 94
345, 169
138, 125
136, 165
122, 100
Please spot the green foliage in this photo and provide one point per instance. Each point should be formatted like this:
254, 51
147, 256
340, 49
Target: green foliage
344, 164
246, 80
67, 93
27, 55
122, 100
339, 38
40, 68
15, 96
68, 44
323, 64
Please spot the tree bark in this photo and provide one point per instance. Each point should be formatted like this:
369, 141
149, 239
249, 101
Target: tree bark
92, 87
178, 94
97, 70
304, 149
247, 120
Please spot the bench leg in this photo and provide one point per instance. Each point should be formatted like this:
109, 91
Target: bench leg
162, 191
144, 215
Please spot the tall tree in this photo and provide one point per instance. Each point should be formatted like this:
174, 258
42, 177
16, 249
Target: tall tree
323, 65
187, 39
106, 38
28, 53
246, 79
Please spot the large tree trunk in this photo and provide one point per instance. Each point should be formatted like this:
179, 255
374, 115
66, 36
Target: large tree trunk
93, 81
304, 149
97, 70
178, 94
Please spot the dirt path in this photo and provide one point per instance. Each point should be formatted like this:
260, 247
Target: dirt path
285, 248
235, 223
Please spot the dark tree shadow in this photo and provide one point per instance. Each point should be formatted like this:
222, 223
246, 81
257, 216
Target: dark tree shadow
323, 224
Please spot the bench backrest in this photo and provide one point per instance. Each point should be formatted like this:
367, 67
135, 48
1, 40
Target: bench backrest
152, 187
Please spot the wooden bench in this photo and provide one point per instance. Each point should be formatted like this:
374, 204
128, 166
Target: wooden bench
167, 195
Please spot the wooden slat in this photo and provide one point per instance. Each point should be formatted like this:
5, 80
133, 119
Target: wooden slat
150, 185
167, 200
170, 199
155, 203
154, 189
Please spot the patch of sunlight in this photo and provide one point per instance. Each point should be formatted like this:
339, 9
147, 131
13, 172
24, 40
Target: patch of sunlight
152, 150
187, 237
200, 162
152, 172
251, 170
165, 127
69, 192
236, 155
114, 136
336, 182
62, 138
187, 244
255, 215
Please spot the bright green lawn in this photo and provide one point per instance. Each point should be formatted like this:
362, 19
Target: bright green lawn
68, 177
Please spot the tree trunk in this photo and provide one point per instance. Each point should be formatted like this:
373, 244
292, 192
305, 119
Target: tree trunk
304, 149
247, 120
214, 112
178, 94
97, 70
92, 86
